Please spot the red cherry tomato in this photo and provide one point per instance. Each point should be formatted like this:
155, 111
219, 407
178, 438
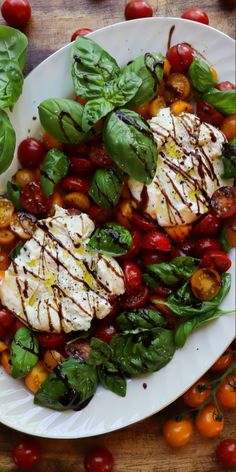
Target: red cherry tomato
80, 32
157, 240
137, 300
226, 452
142, 222
100, 215
133, 276
16, 12
152, 257
223, 202
207, 113
80, 166
76, 150
105, 331
7, 321
26, 454
226, 86
74, 184
135, 248
180, 57
138, 9
52, 340
216, 259
99, 460
33, 200
31, 153
99, 156
205, 244
196, 14
208, 225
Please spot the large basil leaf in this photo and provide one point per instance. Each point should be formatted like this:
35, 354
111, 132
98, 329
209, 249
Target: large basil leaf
100, 353
229, 160
7, 142
24, 352
223, 100
11, 83
149, 68
13, 193
62, 118
92, 67
201, 75
143, 318
170, 273
70, 385
13, 45
130, 143
112, 379
106, 187
113, 239
55, 167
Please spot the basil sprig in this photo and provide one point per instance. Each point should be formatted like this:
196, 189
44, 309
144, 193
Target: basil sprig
229, 160
24, 352
113, 239
201, 75
55, 167
170, 273
13, 193
7, 142
106, 187
223, 100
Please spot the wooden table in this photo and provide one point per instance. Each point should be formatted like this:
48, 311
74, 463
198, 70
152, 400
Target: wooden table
139, 448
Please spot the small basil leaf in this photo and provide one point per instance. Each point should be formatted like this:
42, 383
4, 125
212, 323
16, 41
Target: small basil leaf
223, 100
130, 143
100, 353
24, 352
106, 187
55, 167
229, 160
201, 75
111, 379
122, 89
11, 83
94, 110
184, 266
15, 251
113, 239
143, 318
62, 118
7, 142
13, 45
13, 193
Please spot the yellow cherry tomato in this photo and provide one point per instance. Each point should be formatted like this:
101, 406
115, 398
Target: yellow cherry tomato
177, 433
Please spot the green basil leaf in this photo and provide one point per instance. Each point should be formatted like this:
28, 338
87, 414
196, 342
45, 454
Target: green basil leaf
229, 160
13, 193
71, 385
201, 75
13, 45
11, 83
130, 143
122, 89
100, 353
24, 352
94, 110
7, 142
184, 266
106, 187
55, 167
149, 68
223, 240
112, 379
113, 239
223, 100
142, 318
15, 251
170, 273
62, 118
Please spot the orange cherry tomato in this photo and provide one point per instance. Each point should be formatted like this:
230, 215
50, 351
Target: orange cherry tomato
177, 433
177, 87
224, 361
226, 393
124, 213
23, 177
209, 422
228, 127
196, 394
77, 200
180, 106
6, 237
50, 142
156, 105
36, 377
6, 212
205, 283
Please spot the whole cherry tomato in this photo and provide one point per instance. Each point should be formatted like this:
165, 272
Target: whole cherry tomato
177, 433
74, 184
226, 452
31, 153
223, 202
133, 276
26, 454
99, 460
80, 166
142, 222
224, 361
33, 200
197, 394
209, 224
152, 257
105, 331
16, 12
157, 240
217, 259
228, 127
205, 244
80, 32
138, 9
205, 283
135, 248
99, 156
180, 57
100, 215
209, 422
137, 300
196, 14
51, 340
225, 86
207, 113
226, 393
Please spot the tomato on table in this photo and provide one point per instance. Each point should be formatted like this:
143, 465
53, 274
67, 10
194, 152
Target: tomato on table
223, 202
205, 244
80, 32
27, 454
224, 361
99, 459
105, 331
33, 200
226, 393
207, 113
205, 283
216, 259
16, 12
51, 340
209, 422
180, 57
197, 394
226, 452
31, 153
177, 433
133, 276
138, 9
208, 225
196, 14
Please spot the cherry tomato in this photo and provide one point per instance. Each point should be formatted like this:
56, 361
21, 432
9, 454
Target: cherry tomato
76, 150
152, 257
133, 276
137, 300
205, 244
26, 454
105, 331
223, 202
209, 422
100, 215
80, 166
80, 32
180, 57
74, 184
143, 223
226, 393
217, 259
52, 340
209, 224
205, 283
23, 177
157, 240
23, 224
6, 211
138, 9
207, 113
135, 248
99, 156
177, 87
99, 460
228, 127
226, 452
4, 260
197, 394
31, 153
6, 237
225, 86
33, 200
177, 433
224, 361
196, 14
16, 12
80, 349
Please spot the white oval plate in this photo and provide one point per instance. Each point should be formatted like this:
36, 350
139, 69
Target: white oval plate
108, 412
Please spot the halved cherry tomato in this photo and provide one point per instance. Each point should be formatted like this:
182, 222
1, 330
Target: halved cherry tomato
100, 215
209, 224
16, 12
205, 244
76, 150
34, 379
80, 166
217, 259
133, 276
31, 153
138, 9
4, 260
197, 394
143, 222
180, 57
196, 14
209, 422
207, 113
181, 106
156, 105
6, 212
27, 454
99, 459
50, 142
226, 393
105, 331
178, 233
177, 88
228, 127
74, 184
6, 237
77, 200
99, 156
23, 177
52, 340
79, 349
226, 452
226, 86
23, 224
152, 257
224, 361
80, 32
33, 200
135, 248
205, 283
223, 202
157, 240
137, 300
177, 433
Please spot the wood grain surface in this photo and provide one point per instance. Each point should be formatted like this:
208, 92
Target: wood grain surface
138, 448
